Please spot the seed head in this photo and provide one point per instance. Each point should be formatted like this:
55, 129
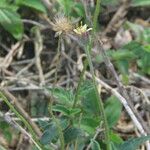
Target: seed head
62, 25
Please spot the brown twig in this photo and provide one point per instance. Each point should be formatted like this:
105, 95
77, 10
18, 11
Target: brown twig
21, 110
125, 104
38, 42
9, 57
121, 88
48, 4
118, 16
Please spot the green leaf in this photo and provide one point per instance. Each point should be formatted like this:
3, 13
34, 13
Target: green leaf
137, 3
67, 6
4, 125
4, 128
136, 48
63, 96
144, 63
71, 134
95, 145
146, 36
133, 144
86, 87
8, 135
69, 112
89, 124
74, 111
49, 134
142, 55
11, 21
34, 4
113, 109
43, 124
115, 138
88, 98
79, 9
147, 48
122, 54
123, 67
62, 109
6, 4
109, 2
113, 146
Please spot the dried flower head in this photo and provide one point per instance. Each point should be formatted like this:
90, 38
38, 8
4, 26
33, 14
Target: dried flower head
61, 25
82, 29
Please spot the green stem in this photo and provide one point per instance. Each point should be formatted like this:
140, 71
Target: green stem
96, 14
80, 83
99, 101
88, 50
66, 8
12, 108
61, 136
76, 142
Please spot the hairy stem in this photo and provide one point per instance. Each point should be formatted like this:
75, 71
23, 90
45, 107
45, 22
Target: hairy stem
61, 136
96, 14
89, 61
99, 101
80, 83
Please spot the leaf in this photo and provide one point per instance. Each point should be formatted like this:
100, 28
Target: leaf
137, 3
49, 134
142, 55
11, 21
146, 36
113, 110
67, 5
71, 134
119, 55
88, 98
144, 63
4, 125
113, 146
115, 138
8, 5
109, 2
79, 9
136, 48
4, 128
95, 145
133, 144
43, 124
147, 48
34, 4
74, 111
66, 111
122, 54
8, 135
89, 124
64, 122
63, 96
123, 67
85, 88
62, 109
